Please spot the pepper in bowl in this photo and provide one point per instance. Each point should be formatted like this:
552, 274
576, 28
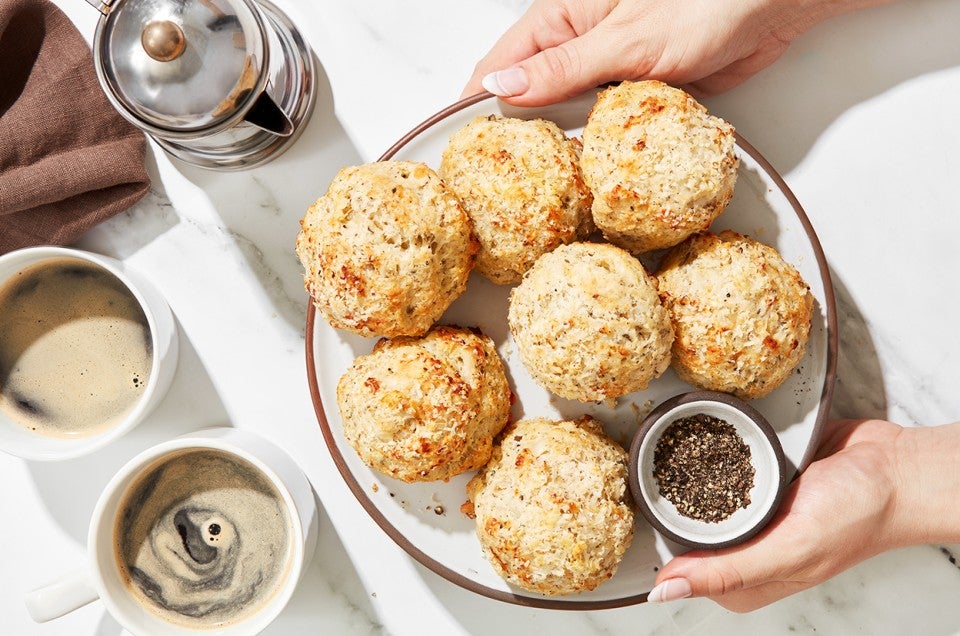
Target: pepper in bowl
707, 470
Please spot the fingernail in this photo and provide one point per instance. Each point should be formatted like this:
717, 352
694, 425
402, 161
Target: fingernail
507, 83
670, 590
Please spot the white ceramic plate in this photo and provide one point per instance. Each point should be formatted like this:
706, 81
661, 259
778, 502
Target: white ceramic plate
425, 520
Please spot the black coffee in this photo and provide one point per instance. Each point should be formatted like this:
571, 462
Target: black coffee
203, 539
75, 349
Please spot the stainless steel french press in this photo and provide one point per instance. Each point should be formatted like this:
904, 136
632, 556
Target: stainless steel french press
222, 84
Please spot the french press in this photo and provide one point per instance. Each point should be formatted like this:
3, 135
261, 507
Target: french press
222, 84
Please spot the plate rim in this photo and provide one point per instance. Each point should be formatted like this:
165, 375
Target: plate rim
565, 603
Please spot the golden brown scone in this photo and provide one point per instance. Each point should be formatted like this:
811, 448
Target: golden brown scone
659, 166
588, 323
520, 183
423, 409
741, 314
386, 249
552, 510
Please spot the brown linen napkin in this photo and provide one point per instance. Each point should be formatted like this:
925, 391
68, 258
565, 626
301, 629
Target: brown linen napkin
68, 160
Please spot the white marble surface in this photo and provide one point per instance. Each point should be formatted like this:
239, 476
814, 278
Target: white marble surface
860, 116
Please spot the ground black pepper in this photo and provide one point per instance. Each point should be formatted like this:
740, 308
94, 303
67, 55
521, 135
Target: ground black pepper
702, 466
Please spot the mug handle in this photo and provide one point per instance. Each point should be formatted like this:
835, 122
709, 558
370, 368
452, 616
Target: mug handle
64, 595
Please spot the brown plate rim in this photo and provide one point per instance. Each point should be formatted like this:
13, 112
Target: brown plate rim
826, 395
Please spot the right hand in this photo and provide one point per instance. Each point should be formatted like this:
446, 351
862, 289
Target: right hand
856, 500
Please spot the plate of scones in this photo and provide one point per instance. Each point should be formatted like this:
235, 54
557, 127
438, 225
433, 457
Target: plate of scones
502, 298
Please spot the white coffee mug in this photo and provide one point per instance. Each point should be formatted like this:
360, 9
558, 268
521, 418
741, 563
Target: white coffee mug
15, 438
103, 577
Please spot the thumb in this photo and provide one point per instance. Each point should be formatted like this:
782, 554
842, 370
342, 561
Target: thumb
556, 73
760, 562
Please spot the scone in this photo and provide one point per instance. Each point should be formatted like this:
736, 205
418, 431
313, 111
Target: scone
424, 409
741, 314
386, 249
588, 323
552, 510
659, 166
520, 183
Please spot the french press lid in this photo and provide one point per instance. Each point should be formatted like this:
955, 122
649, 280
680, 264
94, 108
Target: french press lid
181, 66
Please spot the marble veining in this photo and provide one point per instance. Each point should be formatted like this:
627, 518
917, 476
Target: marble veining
293, 309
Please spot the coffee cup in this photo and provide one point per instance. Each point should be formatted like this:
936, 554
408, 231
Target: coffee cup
208, 531
88, 348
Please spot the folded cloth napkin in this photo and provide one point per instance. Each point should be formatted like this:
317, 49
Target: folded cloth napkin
68, 160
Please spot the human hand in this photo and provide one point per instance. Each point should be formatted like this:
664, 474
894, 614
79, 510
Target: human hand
857, 499
561, 48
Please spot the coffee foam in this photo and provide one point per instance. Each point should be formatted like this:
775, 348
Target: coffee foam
203, 539
75, 349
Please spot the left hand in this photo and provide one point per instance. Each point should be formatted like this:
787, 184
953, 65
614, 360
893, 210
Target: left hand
847, 506
565, 47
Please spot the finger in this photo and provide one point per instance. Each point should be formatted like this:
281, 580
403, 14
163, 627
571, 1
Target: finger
566, 70
753, 598
841, 434
722, 573
713, 85
541, 26
835, 436
737, 72
721, 81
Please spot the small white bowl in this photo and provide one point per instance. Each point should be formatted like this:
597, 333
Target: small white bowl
766, 456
